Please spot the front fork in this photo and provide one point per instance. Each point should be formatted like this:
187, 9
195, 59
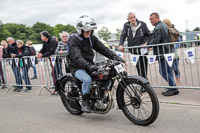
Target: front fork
127, 91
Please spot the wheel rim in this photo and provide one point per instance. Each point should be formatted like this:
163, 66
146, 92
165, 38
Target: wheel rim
139, 106
65, 89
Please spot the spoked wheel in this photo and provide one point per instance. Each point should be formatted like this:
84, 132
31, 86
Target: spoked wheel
70, 96
138, 102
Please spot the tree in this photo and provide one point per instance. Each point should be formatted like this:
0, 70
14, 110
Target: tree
25, 33
187, 30
119, 31
71, 29
17, 31
3, 32
39, 27
32, 35
196, 29
104, 34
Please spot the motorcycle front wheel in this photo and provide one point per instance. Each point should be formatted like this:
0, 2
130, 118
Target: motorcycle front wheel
138, 102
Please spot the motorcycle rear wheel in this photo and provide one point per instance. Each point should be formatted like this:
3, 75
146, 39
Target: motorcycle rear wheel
65, 90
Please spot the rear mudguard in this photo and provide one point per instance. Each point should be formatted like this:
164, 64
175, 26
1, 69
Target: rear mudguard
57, 84
138, 79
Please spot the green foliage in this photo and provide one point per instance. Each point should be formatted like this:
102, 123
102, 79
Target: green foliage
3, 32
104, 34
119, 31
25, 33
187, 30
70, 29
197, 29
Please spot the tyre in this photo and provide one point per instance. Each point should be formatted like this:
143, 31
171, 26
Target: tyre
138, 102
70, 96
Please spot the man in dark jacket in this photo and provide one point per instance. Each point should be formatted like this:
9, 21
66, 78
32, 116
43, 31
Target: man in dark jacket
48, 49
81, 54
12, 42
160, 35
49, 45
137, 33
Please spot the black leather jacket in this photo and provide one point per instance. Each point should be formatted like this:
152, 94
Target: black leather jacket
160, 35
81, 52
7, 52
49, 47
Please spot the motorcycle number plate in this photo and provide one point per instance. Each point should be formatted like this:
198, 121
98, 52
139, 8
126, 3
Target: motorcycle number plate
119, 68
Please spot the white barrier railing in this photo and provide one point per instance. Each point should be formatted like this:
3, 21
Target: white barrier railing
49, 69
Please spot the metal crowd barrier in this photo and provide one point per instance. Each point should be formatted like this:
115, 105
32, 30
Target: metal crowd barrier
189, 76
48, 70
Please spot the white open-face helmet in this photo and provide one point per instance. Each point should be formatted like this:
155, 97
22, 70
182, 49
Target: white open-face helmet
85, 23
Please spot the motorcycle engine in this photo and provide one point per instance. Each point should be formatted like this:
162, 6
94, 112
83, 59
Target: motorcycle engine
99, 91
100, 105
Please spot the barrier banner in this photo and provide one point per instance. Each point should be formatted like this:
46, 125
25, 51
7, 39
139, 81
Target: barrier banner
143, 51
25, 60
151, 58
10, 60
190, 53
16, 61
120, 54
134, 59
33, 60
53, 59
169, 58
42, 61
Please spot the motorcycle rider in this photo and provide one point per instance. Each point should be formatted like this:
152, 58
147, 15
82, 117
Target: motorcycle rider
81, 53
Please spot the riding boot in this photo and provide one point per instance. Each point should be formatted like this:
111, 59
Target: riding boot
85, 103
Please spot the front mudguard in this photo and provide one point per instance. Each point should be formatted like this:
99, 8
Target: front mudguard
138, 79
57, 84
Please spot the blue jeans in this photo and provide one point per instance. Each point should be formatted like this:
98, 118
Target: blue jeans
175, 67
85, 80
34, 70
26, 77
18, 77
166, 72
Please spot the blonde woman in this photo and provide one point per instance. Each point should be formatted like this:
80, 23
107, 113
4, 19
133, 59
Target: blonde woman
32, 51
174, 34
21, 52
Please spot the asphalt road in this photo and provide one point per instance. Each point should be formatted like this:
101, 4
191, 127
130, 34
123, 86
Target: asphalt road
28, 113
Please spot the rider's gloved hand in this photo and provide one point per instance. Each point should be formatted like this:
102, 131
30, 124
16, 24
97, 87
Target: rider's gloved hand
119, 59
92, 68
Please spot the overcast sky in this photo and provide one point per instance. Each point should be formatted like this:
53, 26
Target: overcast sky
109, 13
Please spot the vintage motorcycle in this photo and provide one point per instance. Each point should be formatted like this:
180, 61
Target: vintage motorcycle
134, 95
